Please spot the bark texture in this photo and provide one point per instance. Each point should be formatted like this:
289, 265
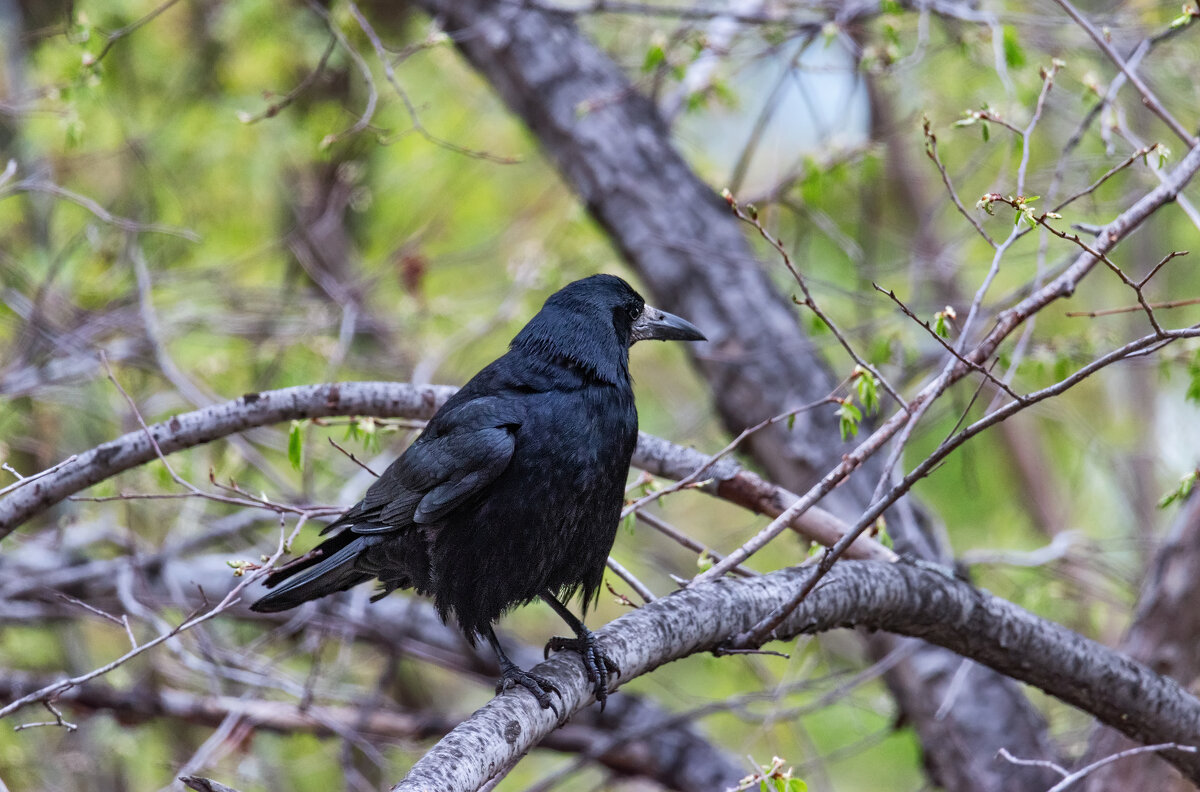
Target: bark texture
899, 598
1164, 635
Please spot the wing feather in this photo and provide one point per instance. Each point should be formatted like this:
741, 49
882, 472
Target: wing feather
458, 455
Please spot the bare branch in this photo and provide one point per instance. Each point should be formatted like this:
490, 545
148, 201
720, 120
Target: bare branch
124, 223
896, 597
1148, 97
274, 108
385, 400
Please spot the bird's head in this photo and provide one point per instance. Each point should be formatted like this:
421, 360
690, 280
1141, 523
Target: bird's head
594, 321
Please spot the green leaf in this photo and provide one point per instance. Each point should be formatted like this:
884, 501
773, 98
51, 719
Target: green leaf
882, 535
1164, 154
1193, 390
1186, 483
296, 445
1014, 56
655, 57
848, 418
987, 135
940, 325
867, 387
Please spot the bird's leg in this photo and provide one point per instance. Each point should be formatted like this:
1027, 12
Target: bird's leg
596, 664
511, 674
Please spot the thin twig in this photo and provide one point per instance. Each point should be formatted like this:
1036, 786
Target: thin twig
1141, 153
420, 129
1148, 98
762, 631
1134, 308
693, 477
23, 480
666, 529
751, 218
273, 109
122, 32
364, 120
931, 151
945, 345
124, 223
352, 458
642, 590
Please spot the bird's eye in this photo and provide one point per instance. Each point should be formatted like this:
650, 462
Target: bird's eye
634, 312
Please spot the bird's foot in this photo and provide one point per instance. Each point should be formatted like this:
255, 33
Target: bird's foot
540, 687
596, 664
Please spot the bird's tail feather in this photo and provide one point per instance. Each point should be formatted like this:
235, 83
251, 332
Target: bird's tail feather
325, 576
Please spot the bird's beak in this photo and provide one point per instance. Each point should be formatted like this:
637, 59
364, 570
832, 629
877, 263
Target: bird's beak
658, 325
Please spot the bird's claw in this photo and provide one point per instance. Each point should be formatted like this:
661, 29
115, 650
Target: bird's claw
539, 686
596, 664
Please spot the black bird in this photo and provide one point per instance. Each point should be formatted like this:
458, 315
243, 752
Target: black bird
514, 489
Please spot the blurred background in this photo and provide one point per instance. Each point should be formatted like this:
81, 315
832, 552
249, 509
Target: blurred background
229, 196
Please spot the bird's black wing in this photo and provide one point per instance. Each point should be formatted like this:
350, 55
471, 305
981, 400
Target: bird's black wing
461, 451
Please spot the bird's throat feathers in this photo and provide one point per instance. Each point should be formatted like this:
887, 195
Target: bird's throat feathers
557, 337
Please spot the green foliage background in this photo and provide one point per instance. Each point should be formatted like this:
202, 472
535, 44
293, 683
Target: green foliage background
439, 241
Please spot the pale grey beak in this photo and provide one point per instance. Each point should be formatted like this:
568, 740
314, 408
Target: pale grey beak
656, 325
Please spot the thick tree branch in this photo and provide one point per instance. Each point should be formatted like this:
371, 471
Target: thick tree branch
726, 479
202, 426
899, 598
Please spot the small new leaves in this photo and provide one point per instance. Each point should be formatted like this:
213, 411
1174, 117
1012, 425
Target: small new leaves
848, 416
1055, 65
1161, 151
1022, 203
296, 445
879, 532
866, 387
972, 117
943, 320
365, 430
771, 778
1186, 483
1190, 12
647, 484
930, 138
656, 55
1025, 209
1014, 55
241, 567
